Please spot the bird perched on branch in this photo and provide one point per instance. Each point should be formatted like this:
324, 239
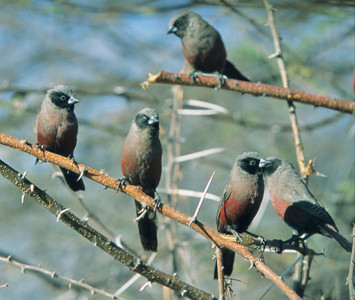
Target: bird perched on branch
296, 205
57, 128
240, 201
202, 45
141, 165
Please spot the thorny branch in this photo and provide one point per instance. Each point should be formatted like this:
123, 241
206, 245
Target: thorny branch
172, 170
53, 274
301, 274
99, 240
115, 91
256, 89
220, 274
285, 82
277, 246
136, 193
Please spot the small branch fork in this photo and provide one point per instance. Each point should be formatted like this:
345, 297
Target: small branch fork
135, 192
256, 89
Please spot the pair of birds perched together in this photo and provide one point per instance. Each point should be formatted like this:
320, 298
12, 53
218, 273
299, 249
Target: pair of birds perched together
203, 48
57, 129
290, 198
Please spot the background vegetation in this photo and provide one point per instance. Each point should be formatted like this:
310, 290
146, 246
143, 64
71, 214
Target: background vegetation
104, 50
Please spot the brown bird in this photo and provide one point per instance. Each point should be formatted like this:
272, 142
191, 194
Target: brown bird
296, 205
202, 45
57, 128
141, 165
240, 201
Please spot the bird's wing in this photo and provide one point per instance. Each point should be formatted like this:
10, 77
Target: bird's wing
316, 211
225, 196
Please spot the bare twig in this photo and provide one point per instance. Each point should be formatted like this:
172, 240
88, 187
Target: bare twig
207, 105
280, 128
172, 170
194, 217
114, 91
256, 89
197, 112
53, 274
285, 83
301, 274
283, 274
136, 193
220, 273
189, 193
198, 154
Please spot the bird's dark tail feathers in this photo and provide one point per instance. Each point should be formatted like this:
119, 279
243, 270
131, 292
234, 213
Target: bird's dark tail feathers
339, 238
228, 261
232, 73
147, 227
72, 180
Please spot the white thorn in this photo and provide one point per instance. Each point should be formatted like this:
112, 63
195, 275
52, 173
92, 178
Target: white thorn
62, 212
147, 284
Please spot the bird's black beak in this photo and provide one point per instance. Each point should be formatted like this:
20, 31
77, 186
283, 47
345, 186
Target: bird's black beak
72, 100
172, 29
263, 163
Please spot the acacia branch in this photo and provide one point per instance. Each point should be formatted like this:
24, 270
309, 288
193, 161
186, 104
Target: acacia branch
256, 89
52, 274
285, 82
99, 240
172, 169
136, 193
302, 270
276, 246
220, 273
118, 91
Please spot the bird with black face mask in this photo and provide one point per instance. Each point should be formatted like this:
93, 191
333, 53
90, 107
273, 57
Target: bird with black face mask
57, 128
202, 45
141, 165
296, 205
240, 202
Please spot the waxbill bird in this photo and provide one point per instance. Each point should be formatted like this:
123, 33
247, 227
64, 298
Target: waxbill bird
240, 201
141, 165
57, 128
202, 45
296, 205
